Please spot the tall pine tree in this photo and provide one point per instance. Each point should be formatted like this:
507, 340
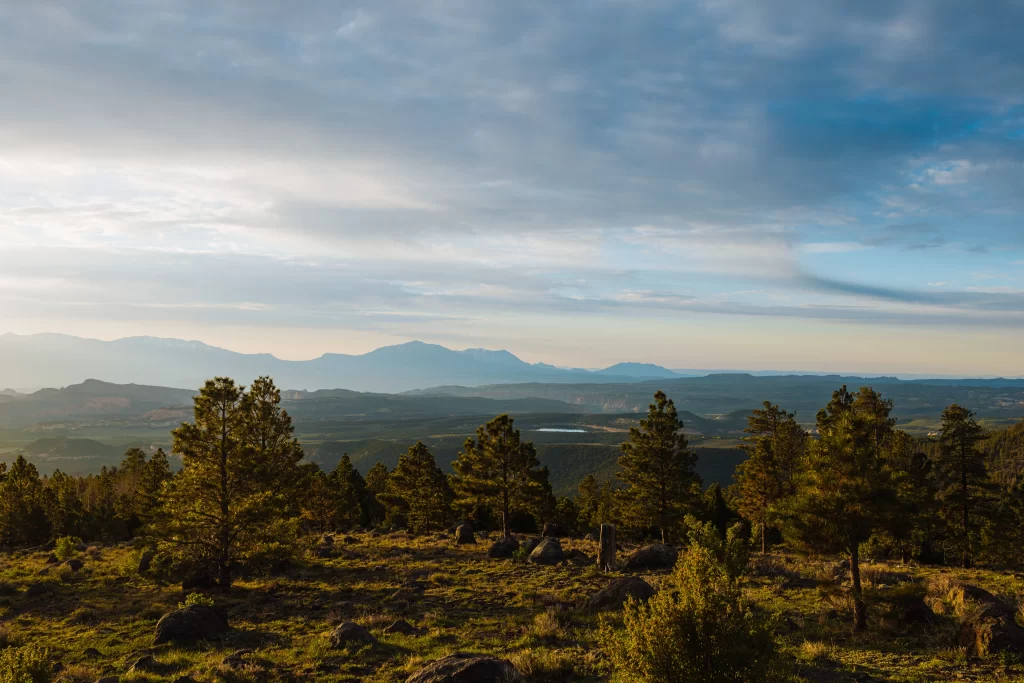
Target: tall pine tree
658, 470
418, 490
236, 492
962, 478
499, 471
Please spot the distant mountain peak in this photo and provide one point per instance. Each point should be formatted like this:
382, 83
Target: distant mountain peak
638, 370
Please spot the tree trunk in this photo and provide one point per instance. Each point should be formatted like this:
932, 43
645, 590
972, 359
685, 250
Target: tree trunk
764, 541
606, 554
225, 529
859, 608
506, 526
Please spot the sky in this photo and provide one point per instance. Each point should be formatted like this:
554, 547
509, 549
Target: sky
827, 186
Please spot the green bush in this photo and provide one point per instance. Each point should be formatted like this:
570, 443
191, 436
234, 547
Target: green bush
29, 664
733, 552
696, 629
196, 599
66, 546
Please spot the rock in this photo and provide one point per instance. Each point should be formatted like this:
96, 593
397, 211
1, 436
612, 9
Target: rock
463, 667
146, 561
990, 627
52, 559
323, 551
579, 558
351, 633
198, 578
548, 551
144, 663
464, 535
92, 653
402, 627
917, 612
552, 530
529, 544
614, 595
350, 540
73, 565
190, 625
503, 548
327, 540
657, 556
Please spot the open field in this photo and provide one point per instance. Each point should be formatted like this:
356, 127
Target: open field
99, 620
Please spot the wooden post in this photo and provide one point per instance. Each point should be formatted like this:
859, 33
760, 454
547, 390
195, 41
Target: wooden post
606, 555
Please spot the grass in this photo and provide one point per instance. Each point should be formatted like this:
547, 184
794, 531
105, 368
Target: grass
100, 620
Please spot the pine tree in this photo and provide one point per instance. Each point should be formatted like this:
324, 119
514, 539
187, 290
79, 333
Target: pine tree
499, 471
349, 494
64, 509
418, 491
22, 506
963, 479
658, 470
236, 491
774, 449
376, 483
844, 492
318, 505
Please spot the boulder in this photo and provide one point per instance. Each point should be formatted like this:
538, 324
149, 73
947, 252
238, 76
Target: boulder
614, 595
529, 544
552, 530
656, 556
190, 625
146, 561
402, 627
464, 535
349, 540
143, 664
34, 590
351, 633
579, 558
52, 559
990, 626
918, 612
503, 548
73, 564
548, 551
463, 667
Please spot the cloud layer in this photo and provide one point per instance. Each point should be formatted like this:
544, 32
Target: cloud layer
502, 173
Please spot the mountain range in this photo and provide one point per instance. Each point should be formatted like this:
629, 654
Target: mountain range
55, 360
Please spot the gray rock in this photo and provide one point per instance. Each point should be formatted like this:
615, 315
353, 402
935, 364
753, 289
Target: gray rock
464, 535
73, 565
990, 627
402, 627
463, 667
503, 548
548, 551
579, 558
656, 556
614, 595
146, 561
351, 633
529, 544
190, 625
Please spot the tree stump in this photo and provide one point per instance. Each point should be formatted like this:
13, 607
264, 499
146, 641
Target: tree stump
606, 554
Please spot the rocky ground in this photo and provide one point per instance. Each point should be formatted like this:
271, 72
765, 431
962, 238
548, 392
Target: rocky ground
395, 607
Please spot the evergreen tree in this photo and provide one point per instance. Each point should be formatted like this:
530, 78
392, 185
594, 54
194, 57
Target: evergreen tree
963, 479
844, 492
64, 509
318, 505
774, 449
235, 493
658, 470
418, 491
499, 471
376, 483
22, 506
349, 495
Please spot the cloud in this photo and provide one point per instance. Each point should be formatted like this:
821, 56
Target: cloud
386, 164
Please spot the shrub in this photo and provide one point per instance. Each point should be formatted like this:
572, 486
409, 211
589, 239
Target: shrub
696, 629
29, 664
196, 599
732, 552
66, 546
